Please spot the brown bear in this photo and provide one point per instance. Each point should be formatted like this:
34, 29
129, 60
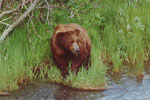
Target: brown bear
70, 43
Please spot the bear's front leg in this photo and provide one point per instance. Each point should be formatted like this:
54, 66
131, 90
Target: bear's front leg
76, 64
87, 62
62, 65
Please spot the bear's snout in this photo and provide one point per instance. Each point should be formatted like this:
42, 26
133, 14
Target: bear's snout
76, 49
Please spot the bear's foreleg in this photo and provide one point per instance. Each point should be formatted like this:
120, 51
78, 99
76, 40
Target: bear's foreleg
76, 64
87, 62
62, 65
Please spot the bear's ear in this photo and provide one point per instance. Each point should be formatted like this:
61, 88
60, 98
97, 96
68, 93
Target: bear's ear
58, 26
78, 30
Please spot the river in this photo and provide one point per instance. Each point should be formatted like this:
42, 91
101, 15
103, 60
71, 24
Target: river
122, 88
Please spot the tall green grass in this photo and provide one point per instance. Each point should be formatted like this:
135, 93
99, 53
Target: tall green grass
125, 34
18, 55
94, 78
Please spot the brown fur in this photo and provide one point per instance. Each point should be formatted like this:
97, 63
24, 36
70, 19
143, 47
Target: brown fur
63, 50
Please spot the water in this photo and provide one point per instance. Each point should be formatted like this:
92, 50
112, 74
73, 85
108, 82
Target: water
123, 88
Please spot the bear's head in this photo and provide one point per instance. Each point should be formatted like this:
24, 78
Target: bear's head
69, 41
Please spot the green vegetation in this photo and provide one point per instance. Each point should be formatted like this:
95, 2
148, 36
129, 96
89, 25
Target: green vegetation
120, 34
94, 78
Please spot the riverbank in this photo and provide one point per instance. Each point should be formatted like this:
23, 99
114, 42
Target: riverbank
124, 87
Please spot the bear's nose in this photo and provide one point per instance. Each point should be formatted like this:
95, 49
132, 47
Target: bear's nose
77, 52
76, 48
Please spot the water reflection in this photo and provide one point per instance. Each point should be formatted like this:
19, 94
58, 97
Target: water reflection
65, 93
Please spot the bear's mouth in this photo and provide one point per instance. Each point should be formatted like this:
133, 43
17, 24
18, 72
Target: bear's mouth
77, 53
